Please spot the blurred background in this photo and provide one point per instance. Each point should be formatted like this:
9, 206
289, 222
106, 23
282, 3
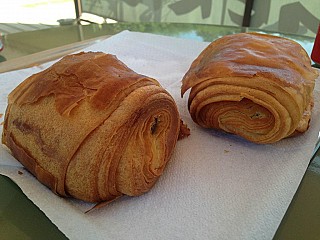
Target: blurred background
298, 17
22, 15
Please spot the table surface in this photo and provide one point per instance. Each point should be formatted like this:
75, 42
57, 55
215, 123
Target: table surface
21, 219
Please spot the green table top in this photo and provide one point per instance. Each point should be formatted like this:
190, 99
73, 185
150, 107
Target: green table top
21, 219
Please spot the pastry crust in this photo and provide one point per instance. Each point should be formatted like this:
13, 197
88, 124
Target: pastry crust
91, 128
254, 85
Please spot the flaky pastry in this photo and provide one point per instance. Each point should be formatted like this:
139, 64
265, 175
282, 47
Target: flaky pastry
254, 85
91, 128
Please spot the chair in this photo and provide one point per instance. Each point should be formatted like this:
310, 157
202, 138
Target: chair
295, 17
220, 12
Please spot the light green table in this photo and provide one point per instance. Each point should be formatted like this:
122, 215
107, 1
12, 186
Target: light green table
21, 219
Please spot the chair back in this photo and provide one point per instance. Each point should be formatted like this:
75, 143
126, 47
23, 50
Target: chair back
220, 12
287, 16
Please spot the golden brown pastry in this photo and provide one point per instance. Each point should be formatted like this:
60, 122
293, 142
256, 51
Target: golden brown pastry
91, 128
254, 85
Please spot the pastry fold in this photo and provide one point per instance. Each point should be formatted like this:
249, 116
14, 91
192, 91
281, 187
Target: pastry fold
254, 85
91, 128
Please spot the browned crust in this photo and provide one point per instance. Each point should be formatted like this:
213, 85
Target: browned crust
91, 128
270, 74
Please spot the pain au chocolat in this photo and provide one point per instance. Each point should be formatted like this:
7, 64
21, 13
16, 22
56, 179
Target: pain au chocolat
254, 85
91, 128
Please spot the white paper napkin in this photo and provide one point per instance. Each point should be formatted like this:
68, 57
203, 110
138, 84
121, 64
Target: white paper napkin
216, 186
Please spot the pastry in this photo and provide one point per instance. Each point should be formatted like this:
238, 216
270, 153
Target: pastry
257, 86
89, 127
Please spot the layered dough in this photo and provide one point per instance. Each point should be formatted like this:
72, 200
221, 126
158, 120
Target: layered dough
254, 85
91, 128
